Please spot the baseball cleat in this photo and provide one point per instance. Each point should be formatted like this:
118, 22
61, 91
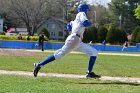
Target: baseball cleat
92, 75
36, 69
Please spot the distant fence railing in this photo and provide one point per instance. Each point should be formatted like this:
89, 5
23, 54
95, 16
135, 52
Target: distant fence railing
48, 45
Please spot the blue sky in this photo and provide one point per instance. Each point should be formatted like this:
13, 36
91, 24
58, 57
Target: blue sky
102, 2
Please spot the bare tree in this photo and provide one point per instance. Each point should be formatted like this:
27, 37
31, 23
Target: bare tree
31, 12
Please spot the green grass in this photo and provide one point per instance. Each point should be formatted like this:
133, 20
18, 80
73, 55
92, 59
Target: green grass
77, 64
25, 84
71, 64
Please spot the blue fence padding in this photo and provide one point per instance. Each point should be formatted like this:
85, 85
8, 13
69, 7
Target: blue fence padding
113, 48
138, 47
131, 49
17, 44
99, 47
56, 46
47, 45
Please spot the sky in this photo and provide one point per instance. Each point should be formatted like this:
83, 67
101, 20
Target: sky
102, 2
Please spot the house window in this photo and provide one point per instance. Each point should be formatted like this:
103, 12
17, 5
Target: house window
47, 25
53, 26
60, 33
52, 33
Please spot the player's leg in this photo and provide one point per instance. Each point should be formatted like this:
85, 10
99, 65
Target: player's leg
87, 49
71, 43
40, 64
42, 46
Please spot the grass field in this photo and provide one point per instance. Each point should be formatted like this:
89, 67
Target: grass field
71, 64
24, 84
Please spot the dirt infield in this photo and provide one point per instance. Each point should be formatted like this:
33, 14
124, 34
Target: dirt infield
23, 73
18, 52
33, 53
76, 52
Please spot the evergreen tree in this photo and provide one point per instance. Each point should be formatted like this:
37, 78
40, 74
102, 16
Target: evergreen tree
90, 35
137, 12
110, 35
101, 34
135, 35
45, 31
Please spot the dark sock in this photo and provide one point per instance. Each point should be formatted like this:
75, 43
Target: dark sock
91, 63
47, 60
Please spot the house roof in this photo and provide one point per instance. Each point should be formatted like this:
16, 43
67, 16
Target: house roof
58, 19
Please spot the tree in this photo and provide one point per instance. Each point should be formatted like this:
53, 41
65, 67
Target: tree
71, 8
110, 35
120, 36
90, 35
86, 36
137, 12
93, 34
138, 37
101, 34
135, 35
116, 35
31, 13
100, 14
45, 31
123, 13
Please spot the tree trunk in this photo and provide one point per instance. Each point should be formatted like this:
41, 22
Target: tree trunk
28, 29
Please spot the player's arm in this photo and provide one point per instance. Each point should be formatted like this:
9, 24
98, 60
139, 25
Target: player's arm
69, 27
86, 23
84, 20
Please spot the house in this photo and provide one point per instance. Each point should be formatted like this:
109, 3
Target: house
56, 27
22, 31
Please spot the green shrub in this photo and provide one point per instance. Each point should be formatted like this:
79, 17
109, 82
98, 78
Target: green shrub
110, 35
2, 33
101, 34
135, 35
45, 31
24, 38
90, 35
120, 36
138, 37
116, 35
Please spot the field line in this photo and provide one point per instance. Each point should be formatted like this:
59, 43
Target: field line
76, 52
25, 73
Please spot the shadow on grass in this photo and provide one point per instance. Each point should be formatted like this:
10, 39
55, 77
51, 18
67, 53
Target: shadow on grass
115, 83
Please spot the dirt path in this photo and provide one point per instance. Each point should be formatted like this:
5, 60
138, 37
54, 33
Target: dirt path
76, 52
25, 73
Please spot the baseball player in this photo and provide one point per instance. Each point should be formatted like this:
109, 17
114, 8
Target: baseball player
74, 41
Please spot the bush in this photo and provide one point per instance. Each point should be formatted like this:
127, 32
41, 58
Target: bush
110, 35
45, 31
138, 37
4, 37
90, 35
24, 38
120, 36
116, 36
101, 34
135, 35
2, 33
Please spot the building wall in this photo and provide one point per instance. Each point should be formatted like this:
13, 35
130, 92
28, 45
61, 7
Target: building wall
55, 29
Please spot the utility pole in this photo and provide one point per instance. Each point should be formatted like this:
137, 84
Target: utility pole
1, 24
120, 20
95, 19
